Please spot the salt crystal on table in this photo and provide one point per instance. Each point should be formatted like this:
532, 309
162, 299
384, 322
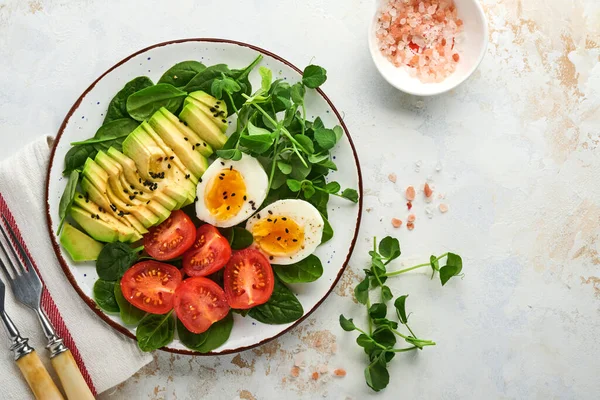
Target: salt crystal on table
299, 360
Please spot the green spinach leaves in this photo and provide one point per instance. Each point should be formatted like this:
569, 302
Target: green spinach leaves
205, 342
282, 308
114, 260
155, 331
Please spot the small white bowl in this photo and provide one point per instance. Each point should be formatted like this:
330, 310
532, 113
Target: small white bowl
470, 44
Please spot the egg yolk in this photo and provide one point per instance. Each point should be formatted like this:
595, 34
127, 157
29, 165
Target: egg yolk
278, 235
225, 194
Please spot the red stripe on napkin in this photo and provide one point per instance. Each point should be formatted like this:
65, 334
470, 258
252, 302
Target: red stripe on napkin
48, 303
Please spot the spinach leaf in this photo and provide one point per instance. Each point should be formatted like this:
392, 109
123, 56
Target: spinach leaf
142, 104
282, 308
452, 268
104, 296
117, 107
314, 76
241, 238
204, 79
347, 324
76, 157
350, 194
129, 314
67, 197
376, 374
111, 134
326, 138
155, 331
182, 73
308, 270
205, 342
114, 260
327, 230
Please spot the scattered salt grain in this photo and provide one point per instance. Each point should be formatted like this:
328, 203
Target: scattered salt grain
323, 369
295, 372
392, 177
315, 376
427, 191
438, 167
299, 360
396, 223
429, 212
340, 372
443, 208
411, 218
410, 193
410, 226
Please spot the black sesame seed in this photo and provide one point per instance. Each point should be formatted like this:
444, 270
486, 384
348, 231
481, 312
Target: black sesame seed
140, 180
275, 221
244, 198
172, 157
132, 197
200, 180
218, 102
222, 163
216, 106
125, 191
270, 212
80, 196
270, 257
231, 167
187, 176
221, 178
278, 237
100, 209
287, 230
196, 199
257, 216
224, 197
212, 109
232, 194
135, 193
131, 186
204, 144
294, 240
253, 208
224, 120
283, 218
186, 139
228, 207
193, 147
269, 220
148, 202
169, 166
185, 123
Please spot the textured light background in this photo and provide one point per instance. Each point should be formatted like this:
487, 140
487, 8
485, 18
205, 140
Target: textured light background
517, 144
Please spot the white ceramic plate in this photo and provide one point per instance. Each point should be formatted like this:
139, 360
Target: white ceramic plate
87, 115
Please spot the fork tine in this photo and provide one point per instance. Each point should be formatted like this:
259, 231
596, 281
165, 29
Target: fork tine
8, 275
28, 267
16, 270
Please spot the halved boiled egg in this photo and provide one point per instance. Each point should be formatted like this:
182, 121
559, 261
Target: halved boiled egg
231, 191
286, 231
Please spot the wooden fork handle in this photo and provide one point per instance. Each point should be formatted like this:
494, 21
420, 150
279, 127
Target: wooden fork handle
37, 377
70, 377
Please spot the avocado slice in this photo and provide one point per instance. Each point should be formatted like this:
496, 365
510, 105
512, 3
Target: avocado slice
210, 101
102, 200
152, 163
203, 125
99, 178
218, 116
128, 194
130, 171
80, 246
170, 156
126, 232
201, 146
97, 228
181, 144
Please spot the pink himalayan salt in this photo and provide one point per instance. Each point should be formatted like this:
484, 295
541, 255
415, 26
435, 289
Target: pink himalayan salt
420, 35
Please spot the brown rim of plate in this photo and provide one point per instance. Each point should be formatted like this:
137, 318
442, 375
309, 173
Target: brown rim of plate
90, 302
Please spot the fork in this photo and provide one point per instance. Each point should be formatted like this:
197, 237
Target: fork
27, 287
27, 360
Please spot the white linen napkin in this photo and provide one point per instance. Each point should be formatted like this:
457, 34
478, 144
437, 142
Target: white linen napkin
104, 355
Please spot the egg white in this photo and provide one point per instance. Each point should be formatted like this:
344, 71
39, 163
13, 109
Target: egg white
255, 179
305, 215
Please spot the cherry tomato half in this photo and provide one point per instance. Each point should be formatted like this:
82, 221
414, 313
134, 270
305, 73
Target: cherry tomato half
171, 238
150, 286
200, 302
209, 253
248, 279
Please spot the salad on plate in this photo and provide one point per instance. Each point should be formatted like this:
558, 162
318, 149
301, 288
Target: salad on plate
200, 197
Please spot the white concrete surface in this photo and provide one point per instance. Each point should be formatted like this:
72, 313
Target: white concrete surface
517, 145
